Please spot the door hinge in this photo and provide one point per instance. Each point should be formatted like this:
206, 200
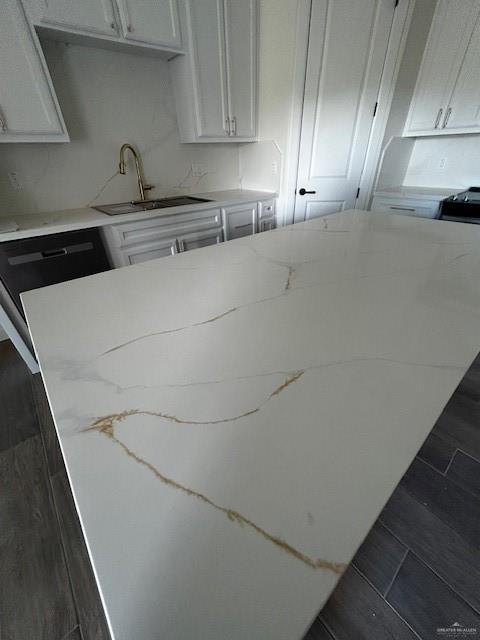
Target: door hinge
358, 193
375, 109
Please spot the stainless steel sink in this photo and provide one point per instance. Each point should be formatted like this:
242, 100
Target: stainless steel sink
122, 208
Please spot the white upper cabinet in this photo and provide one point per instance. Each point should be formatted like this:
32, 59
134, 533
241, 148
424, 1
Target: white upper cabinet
241, 58
464, 114
28, 109
215, 83
86, 16
449, 66
153, 22
205, 24
146, 23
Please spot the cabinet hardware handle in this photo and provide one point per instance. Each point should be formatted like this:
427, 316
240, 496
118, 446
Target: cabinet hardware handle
402, 209
234, 126
243, 226
54, 253
439, 116
3, 122
303, 191
447, 117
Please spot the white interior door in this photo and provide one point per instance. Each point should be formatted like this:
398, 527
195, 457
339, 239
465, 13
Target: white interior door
347, 48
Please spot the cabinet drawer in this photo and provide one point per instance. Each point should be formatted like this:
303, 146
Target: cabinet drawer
240, 220
266, 209
199, 240
131, 233
152, 251
407, 207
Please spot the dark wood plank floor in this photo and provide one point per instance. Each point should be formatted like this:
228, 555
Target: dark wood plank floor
47, 588
418, 569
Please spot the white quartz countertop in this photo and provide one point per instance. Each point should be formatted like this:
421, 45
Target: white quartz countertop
233, 419
419, 193
41, 224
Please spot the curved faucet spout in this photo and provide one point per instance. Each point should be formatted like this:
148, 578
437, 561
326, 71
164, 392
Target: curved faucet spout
142, 186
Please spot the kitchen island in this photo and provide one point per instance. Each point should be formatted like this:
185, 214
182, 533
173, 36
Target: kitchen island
234, 419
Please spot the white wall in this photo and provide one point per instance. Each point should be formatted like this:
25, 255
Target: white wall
277, 30
107, 98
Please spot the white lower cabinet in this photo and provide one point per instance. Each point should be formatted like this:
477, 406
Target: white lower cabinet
29, 111
168, 234
268, 224
240, 220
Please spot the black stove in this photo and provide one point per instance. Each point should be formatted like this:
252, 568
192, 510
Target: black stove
463, 207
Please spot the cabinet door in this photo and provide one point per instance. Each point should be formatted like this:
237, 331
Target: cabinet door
28, 108
205, 22
199, 240
89, 16
241, 52
153, 22
268, 224
240, 220
464, 109
447, 42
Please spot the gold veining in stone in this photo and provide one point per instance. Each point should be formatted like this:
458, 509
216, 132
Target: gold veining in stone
106, 426
108, 422
168, 331
291, 273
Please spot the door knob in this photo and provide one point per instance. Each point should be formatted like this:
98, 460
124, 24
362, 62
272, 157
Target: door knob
303, 191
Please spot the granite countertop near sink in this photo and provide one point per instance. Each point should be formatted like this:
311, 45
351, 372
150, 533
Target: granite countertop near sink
234, 419
40, 224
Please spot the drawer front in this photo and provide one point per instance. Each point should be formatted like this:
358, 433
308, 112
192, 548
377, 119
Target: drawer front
240, 220
132, 233
407, 207
199, 240
152, 251
266, 209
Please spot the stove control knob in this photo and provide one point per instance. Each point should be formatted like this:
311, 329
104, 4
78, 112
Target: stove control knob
465, 198
454, 198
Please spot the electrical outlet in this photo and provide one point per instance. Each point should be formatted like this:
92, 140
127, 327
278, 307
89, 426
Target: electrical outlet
442, 163
274, 168
198, 169
15, 180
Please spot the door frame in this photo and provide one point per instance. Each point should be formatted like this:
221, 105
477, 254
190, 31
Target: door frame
396, 47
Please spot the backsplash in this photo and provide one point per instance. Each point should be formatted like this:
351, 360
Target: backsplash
448, 161
108, 98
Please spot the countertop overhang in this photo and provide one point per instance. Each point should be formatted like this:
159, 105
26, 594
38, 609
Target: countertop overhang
233, 419
41, 224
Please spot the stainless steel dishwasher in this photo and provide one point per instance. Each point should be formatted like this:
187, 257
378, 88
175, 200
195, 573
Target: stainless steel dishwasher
38, 262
